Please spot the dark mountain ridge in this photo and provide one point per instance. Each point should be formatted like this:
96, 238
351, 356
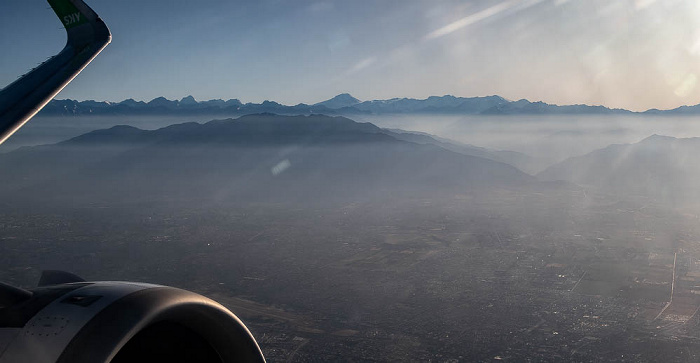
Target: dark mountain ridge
256, 156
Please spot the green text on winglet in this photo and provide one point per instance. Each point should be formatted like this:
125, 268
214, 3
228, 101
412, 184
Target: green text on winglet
70, 15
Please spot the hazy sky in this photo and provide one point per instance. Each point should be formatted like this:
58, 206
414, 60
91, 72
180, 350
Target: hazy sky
635, 54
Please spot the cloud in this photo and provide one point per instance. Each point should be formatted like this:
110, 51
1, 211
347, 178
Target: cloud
471, 19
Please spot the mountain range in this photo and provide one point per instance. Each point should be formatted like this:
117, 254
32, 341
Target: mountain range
660, 167
343, 104
312, 157
317, 157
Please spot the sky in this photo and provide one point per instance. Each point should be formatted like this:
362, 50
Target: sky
633, 54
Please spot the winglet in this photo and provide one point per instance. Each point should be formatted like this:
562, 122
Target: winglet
82, 24
68, 13
87, 36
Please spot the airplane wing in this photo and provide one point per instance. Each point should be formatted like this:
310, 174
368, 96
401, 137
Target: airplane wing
87, 36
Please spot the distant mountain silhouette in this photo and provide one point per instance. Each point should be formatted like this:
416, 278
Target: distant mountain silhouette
433, 104
261, 156
661, 167
526, 107
682, 110
339, 101
188, 101
342, 104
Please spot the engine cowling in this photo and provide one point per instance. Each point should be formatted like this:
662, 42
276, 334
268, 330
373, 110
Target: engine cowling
119, 322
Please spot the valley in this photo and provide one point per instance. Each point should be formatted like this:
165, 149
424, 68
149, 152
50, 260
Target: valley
340, 239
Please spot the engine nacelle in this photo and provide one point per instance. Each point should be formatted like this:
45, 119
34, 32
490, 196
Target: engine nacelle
118, 322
